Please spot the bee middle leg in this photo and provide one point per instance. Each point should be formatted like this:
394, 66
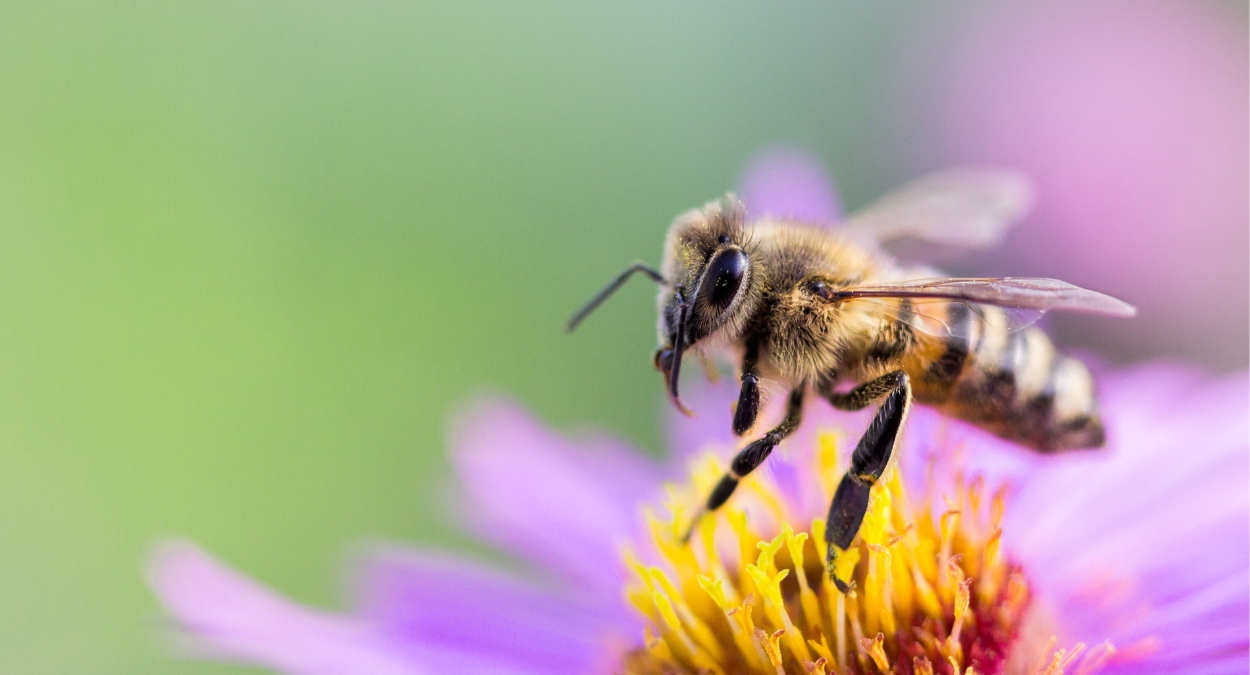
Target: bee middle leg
868, 462
865, 394
752, 456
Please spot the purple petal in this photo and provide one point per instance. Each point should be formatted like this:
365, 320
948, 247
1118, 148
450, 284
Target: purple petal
569, 507
228, 617
1162, 513
1147, 538
428, 598
234, 618
790, 183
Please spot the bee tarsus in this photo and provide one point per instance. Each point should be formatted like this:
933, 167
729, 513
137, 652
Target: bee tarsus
869, 461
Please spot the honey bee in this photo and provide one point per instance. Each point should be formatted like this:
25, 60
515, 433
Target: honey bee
819, 309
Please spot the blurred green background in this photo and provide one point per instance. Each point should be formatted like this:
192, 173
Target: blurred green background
252, 255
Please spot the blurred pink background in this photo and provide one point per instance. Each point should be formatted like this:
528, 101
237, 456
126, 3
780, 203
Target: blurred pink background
1132, 117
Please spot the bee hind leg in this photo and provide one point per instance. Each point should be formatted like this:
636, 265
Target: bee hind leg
751, 457
870, 459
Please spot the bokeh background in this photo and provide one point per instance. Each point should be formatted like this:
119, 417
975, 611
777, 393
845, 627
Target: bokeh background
252, 255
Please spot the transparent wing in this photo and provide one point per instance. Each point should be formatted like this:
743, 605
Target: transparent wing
933, 317
1023, 293
965, 207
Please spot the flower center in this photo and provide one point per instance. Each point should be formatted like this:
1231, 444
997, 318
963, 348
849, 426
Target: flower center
933, 592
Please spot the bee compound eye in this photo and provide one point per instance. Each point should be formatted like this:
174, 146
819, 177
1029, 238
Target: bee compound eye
724, 276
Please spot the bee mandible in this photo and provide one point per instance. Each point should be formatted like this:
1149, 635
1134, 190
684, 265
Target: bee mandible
817, 309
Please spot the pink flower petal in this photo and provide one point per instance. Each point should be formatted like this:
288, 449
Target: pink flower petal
236, 618
428, 598
566, 506
228, 617
1160, 518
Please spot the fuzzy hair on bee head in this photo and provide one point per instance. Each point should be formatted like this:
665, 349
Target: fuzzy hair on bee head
695, 235
693, 238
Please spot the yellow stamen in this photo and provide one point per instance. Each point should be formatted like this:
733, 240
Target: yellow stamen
769, 643
876, 649
932, 587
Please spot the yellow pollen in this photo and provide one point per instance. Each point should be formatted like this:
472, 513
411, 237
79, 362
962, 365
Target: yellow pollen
932, 592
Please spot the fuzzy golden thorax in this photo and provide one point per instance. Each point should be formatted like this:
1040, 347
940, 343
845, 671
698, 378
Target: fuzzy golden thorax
802, 335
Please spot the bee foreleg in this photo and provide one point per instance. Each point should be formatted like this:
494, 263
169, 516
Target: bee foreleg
752, 456
870, 459
862, 396
748, 407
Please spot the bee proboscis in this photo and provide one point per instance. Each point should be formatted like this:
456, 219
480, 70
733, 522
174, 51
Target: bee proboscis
818, 309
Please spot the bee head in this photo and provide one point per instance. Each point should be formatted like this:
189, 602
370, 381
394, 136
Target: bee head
707, 263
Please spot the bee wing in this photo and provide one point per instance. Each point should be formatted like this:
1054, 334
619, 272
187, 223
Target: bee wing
1026, 298
933, 317
964, 207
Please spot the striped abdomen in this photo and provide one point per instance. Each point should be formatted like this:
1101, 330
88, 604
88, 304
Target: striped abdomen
1013, 384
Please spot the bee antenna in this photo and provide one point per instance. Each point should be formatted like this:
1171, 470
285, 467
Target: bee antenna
611, 288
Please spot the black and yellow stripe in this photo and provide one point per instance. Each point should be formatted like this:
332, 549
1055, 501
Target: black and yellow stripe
1013, 384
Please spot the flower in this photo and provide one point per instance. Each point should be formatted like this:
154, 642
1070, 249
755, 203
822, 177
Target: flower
933, 587
1142, 544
